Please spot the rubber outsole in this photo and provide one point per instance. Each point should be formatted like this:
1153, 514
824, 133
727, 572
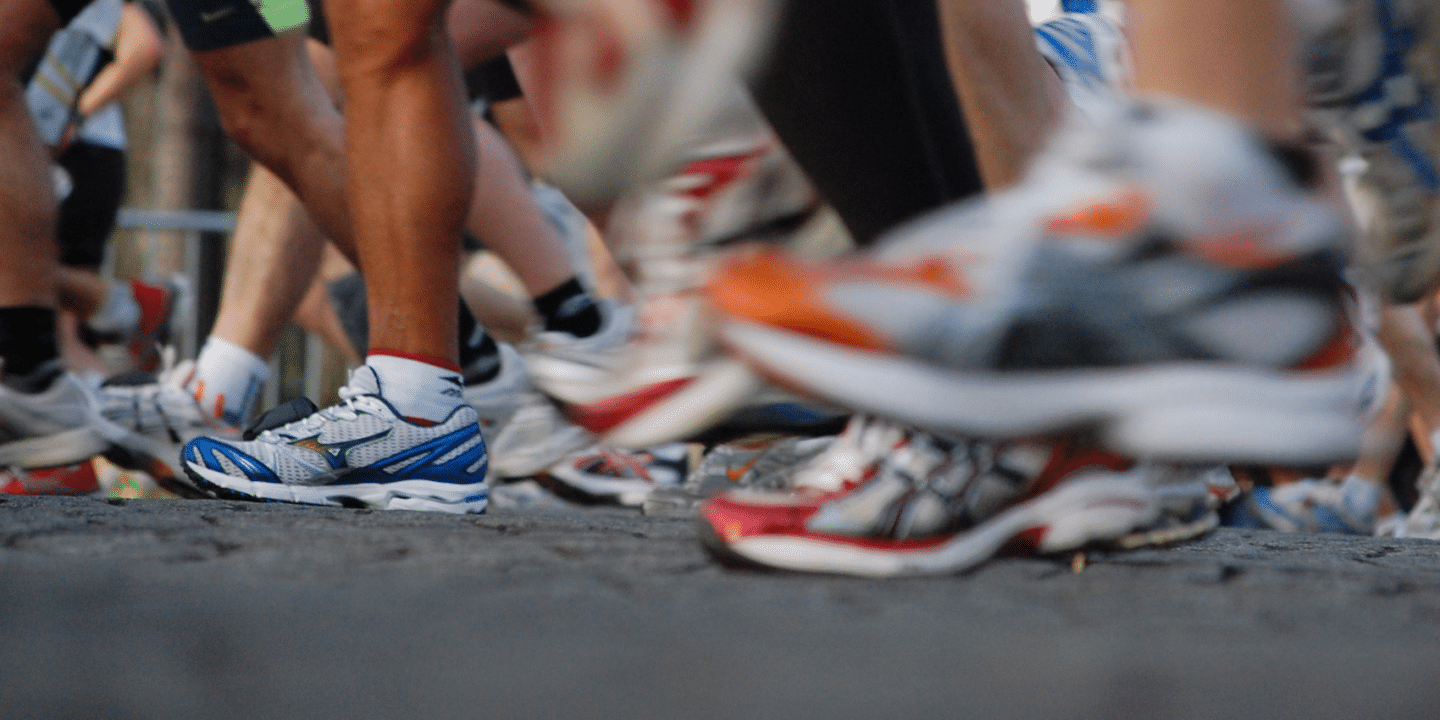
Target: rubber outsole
1192, 411
412, 494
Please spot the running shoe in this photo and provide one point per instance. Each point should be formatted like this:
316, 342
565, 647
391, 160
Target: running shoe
77, 479
525, 432
1318, 506
160, 414
50, 419
625, 84
1373, 76
165, 310
1168, 282
816, 466
623, 477
668, 381
1423, 520
767, 463
938, 506
359, 453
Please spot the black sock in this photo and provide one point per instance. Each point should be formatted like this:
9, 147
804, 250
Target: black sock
568, 308
479, 355
27, 339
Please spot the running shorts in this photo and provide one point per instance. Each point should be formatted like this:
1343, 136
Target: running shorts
218, 24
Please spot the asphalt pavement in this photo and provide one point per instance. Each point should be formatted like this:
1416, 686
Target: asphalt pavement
215, 609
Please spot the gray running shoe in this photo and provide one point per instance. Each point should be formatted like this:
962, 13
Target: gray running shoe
59, 423
524, 430
159, 415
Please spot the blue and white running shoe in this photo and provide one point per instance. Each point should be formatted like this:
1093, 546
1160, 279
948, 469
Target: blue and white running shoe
359, 453
1318, 506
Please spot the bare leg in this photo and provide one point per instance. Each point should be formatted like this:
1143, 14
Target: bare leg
273, 103
316, 313
27, 198
504, 216
273, 257
1252, 74
411, 169
1010, 96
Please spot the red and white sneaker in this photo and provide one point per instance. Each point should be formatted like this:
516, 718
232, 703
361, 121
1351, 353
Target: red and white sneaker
626, 84
1168, 282
621, 477
77, 479
164, 308
935, 506
669, 380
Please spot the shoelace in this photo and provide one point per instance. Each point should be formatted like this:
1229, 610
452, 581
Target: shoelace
353, 403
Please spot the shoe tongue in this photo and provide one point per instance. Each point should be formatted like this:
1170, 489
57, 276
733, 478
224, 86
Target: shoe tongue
363, 381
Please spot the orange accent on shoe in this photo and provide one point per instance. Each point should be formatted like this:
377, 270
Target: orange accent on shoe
771, 288
736, 473
1243, 250
1115, 218
220, 405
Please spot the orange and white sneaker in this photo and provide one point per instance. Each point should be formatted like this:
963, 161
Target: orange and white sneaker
936, 505
626, 84
1169, 282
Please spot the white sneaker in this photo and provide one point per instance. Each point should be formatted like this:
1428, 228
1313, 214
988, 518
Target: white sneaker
667, 380
625, 477
524, 430
1167, 281
360, 453
59, 425
159, 417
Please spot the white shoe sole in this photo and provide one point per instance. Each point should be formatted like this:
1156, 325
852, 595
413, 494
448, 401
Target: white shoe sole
1086, 509
1212, 413
62, 448
720, 388
423, 495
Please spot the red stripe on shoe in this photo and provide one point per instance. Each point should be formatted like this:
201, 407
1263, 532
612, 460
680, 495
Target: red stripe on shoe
604, 415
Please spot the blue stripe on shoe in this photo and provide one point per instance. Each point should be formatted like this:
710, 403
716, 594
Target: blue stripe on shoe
204, 451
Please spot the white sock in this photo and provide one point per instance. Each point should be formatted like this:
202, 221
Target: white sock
228, 379
120, 315
417, 389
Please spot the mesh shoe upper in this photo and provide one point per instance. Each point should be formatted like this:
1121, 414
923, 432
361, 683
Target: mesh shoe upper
361, 440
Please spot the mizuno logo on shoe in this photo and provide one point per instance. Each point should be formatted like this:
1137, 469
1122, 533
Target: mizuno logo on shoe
334, 452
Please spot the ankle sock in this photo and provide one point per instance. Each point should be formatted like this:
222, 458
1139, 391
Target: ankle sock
27, 338
479, 355
228, 379
569, 309
419, 387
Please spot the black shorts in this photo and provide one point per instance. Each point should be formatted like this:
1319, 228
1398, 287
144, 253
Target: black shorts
68, 9
87, 215
863, 101
218, 24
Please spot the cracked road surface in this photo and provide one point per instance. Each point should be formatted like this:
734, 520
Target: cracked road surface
214, 609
